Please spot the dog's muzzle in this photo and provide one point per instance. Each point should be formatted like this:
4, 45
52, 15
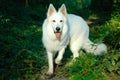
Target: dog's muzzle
57, 32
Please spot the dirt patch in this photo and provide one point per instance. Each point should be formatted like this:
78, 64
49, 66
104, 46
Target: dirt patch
59, 74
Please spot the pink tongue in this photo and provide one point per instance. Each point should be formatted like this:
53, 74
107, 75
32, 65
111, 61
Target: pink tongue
58, 34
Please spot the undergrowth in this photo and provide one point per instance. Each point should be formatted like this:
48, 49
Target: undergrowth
90, 67
21, 51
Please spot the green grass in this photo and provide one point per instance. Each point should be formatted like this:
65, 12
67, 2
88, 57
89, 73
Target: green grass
90, 67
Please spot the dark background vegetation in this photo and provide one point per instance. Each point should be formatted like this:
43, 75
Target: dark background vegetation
21, 51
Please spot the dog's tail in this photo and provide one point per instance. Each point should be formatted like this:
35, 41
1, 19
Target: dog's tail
97, 49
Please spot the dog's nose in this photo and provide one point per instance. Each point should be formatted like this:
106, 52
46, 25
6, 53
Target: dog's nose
57, 28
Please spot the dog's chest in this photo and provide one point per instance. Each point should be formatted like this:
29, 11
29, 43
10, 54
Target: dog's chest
57, 45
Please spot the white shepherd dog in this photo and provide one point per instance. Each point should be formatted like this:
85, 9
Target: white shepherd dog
61, 29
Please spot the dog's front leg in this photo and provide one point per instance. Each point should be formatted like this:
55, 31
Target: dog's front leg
50, 63
60, 56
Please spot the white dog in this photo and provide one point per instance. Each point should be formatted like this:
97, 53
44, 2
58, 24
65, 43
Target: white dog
61, 29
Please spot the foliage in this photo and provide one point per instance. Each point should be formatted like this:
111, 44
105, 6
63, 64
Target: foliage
21, 49
86, 67
113, 27
89, 67
108, 32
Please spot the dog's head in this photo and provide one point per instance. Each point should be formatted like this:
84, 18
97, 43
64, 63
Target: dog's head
57, 19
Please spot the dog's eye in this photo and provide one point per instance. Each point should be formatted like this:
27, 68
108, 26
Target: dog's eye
61, 20
53, 20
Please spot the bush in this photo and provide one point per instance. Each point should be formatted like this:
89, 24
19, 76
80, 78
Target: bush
21, 49
113, 27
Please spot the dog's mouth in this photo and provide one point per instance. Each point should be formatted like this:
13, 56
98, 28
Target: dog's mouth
57, 34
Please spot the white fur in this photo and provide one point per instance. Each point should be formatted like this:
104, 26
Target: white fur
75, 31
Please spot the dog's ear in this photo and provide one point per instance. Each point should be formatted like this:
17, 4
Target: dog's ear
51, 10
63, 10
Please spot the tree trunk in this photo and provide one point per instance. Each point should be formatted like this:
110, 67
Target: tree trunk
26, 3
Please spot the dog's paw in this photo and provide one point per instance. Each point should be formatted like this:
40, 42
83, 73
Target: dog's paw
44, 76
48, 76
58, 62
